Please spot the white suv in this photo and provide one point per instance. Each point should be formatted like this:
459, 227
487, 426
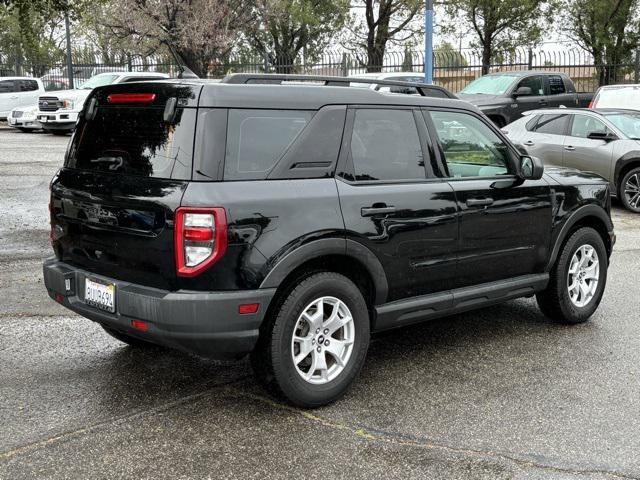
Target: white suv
58, 111
18, 92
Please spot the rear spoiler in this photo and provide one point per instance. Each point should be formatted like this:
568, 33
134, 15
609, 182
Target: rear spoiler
329, 81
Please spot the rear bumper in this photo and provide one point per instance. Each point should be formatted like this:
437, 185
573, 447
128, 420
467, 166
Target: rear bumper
204, 323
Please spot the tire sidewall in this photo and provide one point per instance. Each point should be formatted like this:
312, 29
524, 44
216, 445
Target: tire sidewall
292, 384
586, 236
623, 197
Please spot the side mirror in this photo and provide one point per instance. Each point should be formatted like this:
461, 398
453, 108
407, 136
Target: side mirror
602, 135
523, 92
531, 168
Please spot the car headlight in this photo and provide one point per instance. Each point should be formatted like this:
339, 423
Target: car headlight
67, 104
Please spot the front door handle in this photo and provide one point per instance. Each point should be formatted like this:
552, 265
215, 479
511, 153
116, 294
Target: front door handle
570, 148
528, 143
479, 202
375, 210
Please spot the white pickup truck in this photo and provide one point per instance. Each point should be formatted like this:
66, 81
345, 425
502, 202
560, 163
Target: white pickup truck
58, 110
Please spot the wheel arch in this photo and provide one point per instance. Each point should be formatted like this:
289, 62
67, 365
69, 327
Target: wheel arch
625, 163
586, 216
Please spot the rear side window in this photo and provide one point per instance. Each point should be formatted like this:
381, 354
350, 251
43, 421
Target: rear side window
135, 141
8, 86
556, 85
553, 124
257, 139
385, 146
28, 85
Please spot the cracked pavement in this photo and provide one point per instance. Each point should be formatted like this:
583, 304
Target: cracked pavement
501, 393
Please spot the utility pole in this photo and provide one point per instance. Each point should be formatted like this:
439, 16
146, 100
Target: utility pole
428, 42
69, 62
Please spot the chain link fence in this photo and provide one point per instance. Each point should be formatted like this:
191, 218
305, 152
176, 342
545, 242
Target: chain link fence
453, 69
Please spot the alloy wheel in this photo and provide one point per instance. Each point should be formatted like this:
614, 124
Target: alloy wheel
583, 275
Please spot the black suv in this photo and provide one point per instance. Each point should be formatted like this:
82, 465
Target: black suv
292, 220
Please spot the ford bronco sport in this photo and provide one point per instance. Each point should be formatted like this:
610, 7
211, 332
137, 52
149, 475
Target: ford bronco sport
290, 217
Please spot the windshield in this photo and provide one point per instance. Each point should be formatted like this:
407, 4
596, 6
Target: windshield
489, 85
627, 123
98, 81
623, 97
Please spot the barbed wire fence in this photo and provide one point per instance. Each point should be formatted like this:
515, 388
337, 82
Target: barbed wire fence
453, 69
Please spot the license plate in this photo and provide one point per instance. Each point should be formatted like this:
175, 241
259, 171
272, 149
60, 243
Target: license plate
43, 119
12, 121
100, 295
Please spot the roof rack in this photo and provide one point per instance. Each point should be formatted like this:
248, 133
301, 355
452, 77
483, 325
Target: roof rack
328, 81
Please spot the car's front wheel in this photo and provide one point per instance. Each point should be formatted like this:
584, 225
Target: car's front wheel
315, 345
577, 280
630, 190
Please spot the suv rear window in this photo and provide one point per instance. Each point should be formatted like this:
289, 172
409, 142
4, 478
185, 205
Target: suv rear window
257, 139
135, 141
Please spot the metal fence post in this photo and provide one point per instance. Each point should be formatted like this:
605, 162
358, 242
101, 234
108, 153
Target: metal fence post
69, 61
129, 66
637, 66
345, 65
266, 62
530, 60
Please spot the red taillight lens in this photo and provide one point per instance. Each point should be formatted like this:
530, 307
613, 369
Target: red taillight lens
140, 325
200, 239
247, 308
131, 98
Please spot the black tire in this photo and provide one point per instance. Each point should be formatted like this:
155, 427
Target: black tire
554, 301
627, 200
272, 359
58, 132
129, 340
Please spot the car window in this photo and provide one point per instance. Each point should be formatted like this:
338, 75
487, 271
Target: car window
8, 86
627, 122
536, 85
139, 79
256, 140
385, 146
556, 85
553, 123
618, 97
584, 124
469, 146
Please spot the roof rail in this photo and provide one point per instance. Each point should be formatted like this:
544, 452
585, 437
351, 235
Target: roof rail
328, 81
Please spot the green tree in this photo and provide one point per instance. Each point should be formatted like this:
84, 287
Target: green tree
608, 29
285, 28
502, 24
447, 56
384, 21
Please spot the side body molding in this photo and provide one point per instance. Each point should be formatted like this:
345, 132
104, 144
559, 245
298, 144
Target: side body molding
330, 246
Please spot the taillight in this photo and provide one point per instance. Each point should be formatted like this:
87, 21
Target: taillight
200, 239
115, 98
590, 104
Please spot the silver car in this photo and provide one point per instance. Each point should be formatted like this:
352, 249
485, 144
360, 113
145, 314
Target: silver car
604, 141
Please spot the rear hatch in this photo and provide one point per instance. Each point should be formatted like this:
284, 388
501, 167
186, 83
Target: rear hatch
126, 169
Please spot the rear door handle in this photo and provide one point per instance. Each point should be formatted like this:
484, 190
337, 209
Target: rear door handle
569, 147
479, 202
528, 143
382, 210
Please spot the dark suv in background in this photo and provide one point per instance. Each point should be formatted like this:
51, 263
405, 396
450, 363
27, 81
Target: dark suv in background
291, 217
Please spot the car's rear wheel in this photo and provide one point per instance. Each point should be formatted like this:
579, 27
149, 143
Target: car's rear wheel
577, 280
630, 190
315, 345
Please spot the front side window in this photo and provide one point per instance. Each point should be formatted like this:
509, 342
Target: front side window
257, 139
469, 146
536, 85
553, 124
385, 146
628, 123
583, 125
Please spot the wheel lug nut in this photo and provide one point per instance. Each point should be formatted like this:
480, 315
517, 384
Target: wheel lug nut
326, 330
317, 330
319, 349
313, 341
326, 343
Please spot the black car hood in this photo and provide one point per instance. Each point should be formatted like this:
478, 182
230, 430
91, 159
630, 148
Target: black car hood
571, 176
481, 100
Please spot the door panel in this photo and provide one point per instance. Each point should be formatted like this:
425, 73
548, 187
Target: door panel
546, 140
507, 235
536, 100
584, 153
413, 231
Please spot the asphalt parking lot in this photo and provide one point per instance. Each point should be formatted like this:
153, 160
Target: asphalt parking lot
500, 393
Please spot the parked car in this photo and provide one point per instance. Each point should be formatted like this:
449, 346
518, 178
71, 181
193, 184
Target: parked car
18, 92
58, 111
604, 141
505, 96
24, 118
289, 222
617, 96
